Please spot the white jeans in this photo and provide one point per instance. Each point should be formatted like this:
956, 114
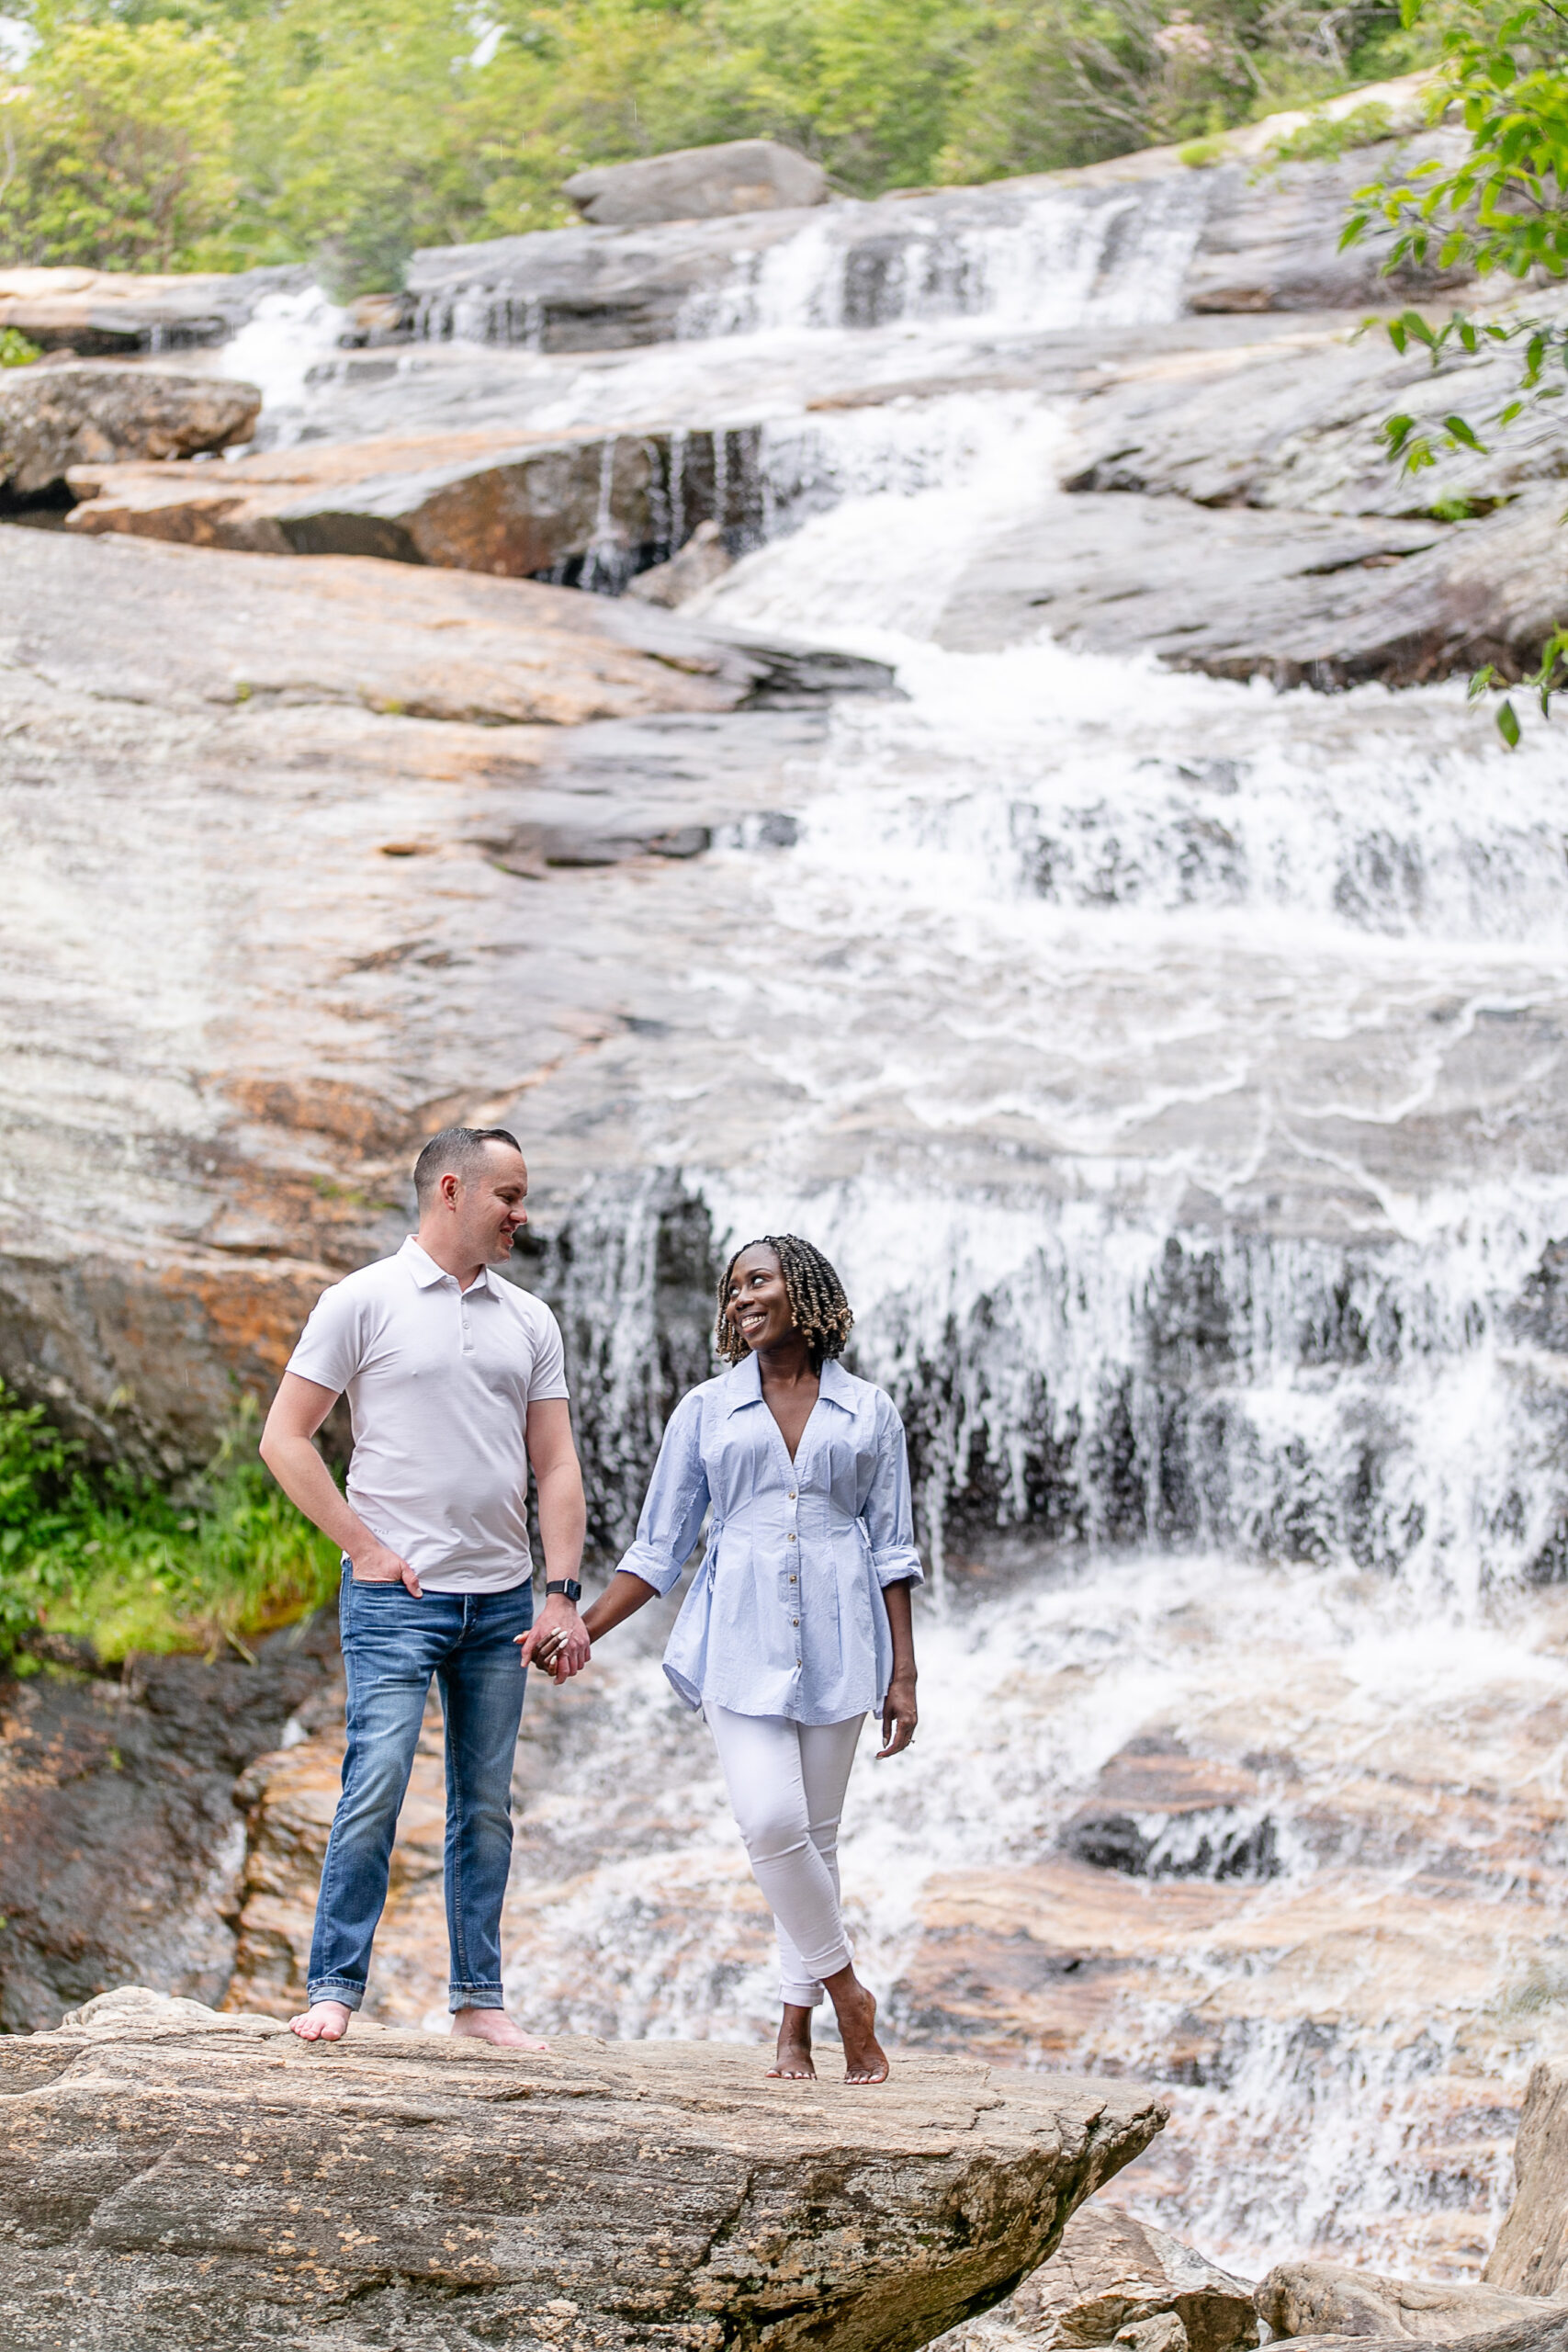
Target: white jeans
786, 1783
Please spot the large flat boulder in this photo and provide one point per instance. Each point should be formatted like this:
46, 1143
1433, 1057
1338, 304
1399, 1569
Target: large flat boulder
1530, 2257
54, 418
698, 183
171, 2176
1325, 2299
580, 504
1117, 2280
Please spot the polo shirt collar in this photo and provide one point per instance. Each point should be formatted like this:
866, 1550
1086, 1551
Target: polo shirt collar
427, 1273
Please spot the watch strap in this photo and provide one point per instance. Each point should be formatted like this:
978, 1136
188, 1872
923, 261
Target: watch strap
569, 1585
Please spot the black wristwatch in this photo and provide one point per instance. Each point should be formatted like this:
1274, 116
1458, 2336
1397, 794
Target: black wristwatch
569, 1585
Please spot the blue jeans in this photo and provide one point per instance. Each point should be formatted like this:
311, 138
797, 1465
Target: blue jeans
392, 1644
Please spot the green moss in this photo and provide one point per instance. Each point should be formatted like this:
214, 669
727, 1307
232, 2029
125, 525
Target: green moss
125, 1565
1200, 155
1326, 138
16, 351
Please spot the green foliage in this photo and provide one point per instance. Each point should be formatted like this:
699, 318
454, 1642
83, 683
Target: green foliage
128, 1565
1504, 206
155, 133
122, 138
16, 351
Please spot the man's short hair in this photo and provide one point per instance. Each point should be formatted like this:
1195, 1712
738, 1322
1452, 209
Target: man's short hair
456, 1152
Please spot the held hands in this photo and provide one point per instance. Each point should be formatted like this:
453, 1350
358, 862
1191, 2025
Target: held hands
899, 1716
559, 1642
375, 1563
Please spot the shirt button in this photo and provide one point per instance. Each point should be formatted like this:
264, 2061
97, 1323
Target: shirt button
795, 1621
790, 1537
792, 1580
792, 1493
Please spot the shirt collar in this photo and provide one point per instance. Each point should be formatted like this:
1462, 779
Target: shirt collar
427, 1273
744, 1384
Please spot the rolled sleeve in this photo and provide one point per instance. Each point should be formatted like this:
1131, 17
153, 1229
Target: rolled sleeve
888, 1514
676, 1503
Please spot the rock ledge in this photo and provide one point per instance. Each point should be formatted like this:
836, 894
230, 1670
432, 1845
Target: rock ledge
171, 2178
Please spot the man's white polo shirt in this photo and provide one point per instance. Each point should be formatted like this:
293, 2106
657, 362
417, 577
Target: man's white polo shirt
439, 1381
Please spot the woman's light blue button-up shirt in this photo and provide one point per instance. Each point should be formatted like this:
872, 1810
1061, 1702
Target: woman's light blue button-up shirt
786, 1616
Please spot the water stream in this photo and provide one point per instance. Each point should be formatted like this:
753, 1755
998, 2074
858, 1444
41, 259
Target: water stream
1174, 1070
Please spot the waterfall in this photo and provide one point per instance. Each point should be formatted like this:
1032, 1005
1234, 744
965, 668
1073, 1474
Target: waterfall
1173, 1068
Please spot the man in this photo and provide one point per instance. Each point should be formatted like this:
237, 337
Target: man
456, 1384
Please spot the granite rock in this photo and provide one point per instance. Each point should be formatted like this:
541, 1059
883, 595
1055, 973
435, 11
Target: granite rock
1117, 2280
1301, 599
1530, 2257
170, 2175
1323, 2299
54, 418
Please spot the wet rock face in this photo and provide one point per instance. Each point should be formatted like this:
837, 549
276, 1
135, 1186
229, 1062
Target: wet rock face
698, 183
54, 418
448, 2197
395, 828
122, 1849
1117, 2280
1320, 2298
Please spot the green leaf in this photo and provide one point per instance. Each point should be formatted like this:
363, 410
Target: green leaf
1508, 725
1457, 430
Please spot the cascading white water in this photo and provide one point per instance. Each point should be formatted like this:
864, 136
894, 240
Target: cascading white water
1219, 1319
1174, 1070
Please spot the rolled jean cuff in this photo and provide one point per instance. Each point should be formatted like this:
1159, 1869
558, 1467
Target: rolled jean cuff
335, 1988
800, 1997
475, 1996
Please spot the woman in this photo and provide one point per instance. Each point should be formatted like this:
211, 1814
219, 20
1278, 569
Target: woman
799, 1623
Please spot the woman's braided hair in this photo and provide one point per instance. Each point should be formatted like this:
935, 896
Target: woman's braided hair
816, 1297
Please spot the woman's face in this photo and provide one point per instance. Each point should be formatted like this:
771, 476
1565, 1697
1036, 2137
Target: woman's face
758, 1304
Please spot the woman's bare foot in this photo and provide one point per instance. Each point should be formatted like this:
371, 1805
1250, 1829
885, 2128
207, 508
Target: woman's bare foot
323, 2022
495, 2025
793, 2060
865, 2061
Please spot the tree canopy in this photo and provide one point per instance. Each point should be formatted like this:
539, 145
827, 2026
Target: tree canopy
226, 133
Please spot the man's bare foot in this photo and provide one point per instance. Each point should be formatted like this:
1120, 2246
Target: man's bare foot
323, 2022
794, 2061
865, 2061
495, 2025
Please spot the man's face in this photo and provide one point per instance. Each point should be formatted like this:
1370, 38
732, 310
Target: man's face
489, 1206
